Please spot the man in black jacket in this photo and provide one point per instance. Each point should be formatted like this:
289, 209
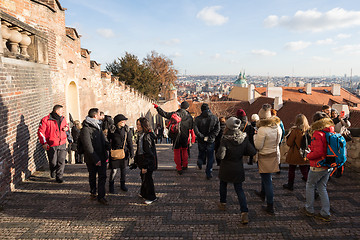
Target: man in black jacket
95, 153
206, 127
181, 140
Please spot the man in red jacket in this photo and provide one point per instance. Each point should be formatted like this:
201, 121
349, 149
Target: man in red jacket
52, 136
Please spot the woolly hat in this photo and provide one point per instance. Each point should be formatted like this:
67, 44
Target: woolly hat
255, 117
240, 113
233, 123
184, 105
265, 111
118, 118
204, 107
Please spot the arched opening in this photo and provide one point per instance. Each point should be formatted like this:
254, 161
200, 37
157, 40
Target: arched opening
72, 101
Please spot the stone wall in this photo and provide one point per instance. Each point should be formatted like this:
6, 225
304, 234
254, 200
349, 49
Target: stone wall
44, 68
353, 148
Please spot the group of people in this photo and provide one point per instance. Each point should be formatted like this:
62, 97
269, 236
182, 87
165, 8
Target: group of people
102, 143
226, 139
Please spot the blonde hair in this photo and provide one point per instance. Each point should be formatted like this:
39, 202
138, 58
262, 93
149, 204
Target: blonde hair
77, 124
302, 123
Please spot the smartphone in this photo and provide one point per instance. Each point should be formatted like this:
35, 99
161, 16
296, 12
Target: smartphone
342, 114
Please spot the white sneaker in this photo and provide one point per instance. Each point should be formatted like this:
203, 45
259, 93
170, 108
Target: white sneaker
148, 202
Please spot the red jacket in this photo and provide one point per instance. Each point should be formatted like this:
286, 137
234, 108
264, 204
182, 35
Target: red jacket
49, 133
318, 144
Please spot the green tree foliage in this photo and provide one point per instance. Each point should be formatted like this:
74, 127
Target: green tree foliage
151, 77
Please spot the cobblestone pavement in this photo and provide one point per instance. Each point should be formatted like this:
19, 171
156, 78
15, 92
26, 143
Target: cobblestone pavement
186, 209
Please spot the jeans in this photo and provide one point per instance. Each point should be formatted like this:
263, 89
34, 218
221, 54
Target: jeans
267, 187
239, 191
206, 150
318, 180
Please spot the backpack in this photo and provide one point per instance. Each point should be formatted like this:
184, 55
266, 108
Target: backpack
304, 145
174, 126
335, 153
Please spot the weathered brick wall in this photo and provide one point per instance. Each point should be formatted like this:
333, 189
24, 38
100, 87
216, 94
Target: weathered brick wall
28, 90
353, 148
25, 97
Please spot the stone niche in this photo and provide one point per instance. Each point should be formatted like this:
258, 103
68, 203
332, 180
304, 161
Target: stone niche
21, 41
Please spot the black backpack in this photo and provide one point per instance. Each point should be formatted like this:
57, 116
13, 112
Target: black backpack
304, 145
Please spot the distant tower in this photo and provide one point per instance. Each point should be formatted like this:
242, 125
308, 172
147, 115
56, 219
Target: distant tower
358, 90
241, 81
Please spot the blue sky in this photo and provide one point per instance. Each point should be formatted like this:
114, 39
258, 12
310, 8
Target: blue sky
224, 37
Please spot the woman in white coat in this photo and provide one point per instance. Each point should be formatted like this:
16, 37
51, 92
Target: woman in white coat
267, 142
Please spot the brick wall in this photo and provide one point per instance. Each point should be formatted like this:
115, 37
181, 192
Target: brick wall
28, 90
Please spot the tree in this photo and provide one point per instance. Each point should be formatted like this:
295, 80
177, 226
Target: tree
154, 75
163, 67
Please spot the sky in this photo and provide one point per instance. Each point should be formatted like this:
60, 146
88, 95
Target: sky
225, 37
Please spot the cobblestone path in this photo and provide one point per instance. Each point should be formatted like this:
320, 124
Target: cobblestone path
186, 209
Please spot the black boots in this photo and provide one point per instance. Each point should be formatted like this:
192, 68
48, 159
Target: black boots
289, 186
123, 187
269, 209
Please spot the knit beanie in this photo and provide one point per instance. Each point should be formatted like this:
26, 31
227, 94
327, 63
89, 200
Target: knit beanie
184, 105
204, 107
233, 123
265, 111
240, 113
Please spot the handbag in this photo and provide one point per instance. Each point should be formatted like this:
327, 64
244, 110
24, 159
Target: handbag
117, 154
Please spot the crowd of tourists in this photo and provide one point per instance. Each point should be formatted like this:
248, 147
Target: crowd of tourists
104, 142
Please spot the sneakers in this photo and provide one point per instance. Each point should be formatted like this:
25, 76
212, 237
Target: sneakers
288, 187
103, 201
244, 218
59, 180
148, 202
322, 218
221, 206
260, 194
306, 212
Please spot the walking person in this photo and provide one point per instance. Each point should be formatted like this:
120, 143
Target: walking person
318, 176
121, 142
146, 159
295, 140
251, 133
267, 140
222, 121
180, 140
234, 145
75, 132
52, 135
206, 127
95, 154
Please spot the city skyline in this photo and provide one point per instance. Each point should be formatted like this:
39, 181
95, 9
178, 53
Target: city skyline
223, 37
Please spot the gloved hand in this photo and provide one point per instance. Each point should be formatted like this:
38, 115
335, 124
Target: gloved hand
155, 105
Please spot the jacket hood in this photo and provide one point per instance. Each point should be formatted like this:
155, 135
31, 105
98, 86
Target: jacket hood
205, 114
92, 122
235, 136
269, 122
325, 124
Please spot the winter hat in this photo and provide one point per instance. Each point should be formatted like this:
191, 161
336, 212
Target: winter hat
255, 117
118, 118
265, 111
204, 107
240, 113
233, 123
319, 115
184, 105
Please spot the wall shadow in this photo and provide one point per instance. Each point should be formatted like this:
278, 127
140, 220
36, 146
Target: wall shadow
5, 153
21, 152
